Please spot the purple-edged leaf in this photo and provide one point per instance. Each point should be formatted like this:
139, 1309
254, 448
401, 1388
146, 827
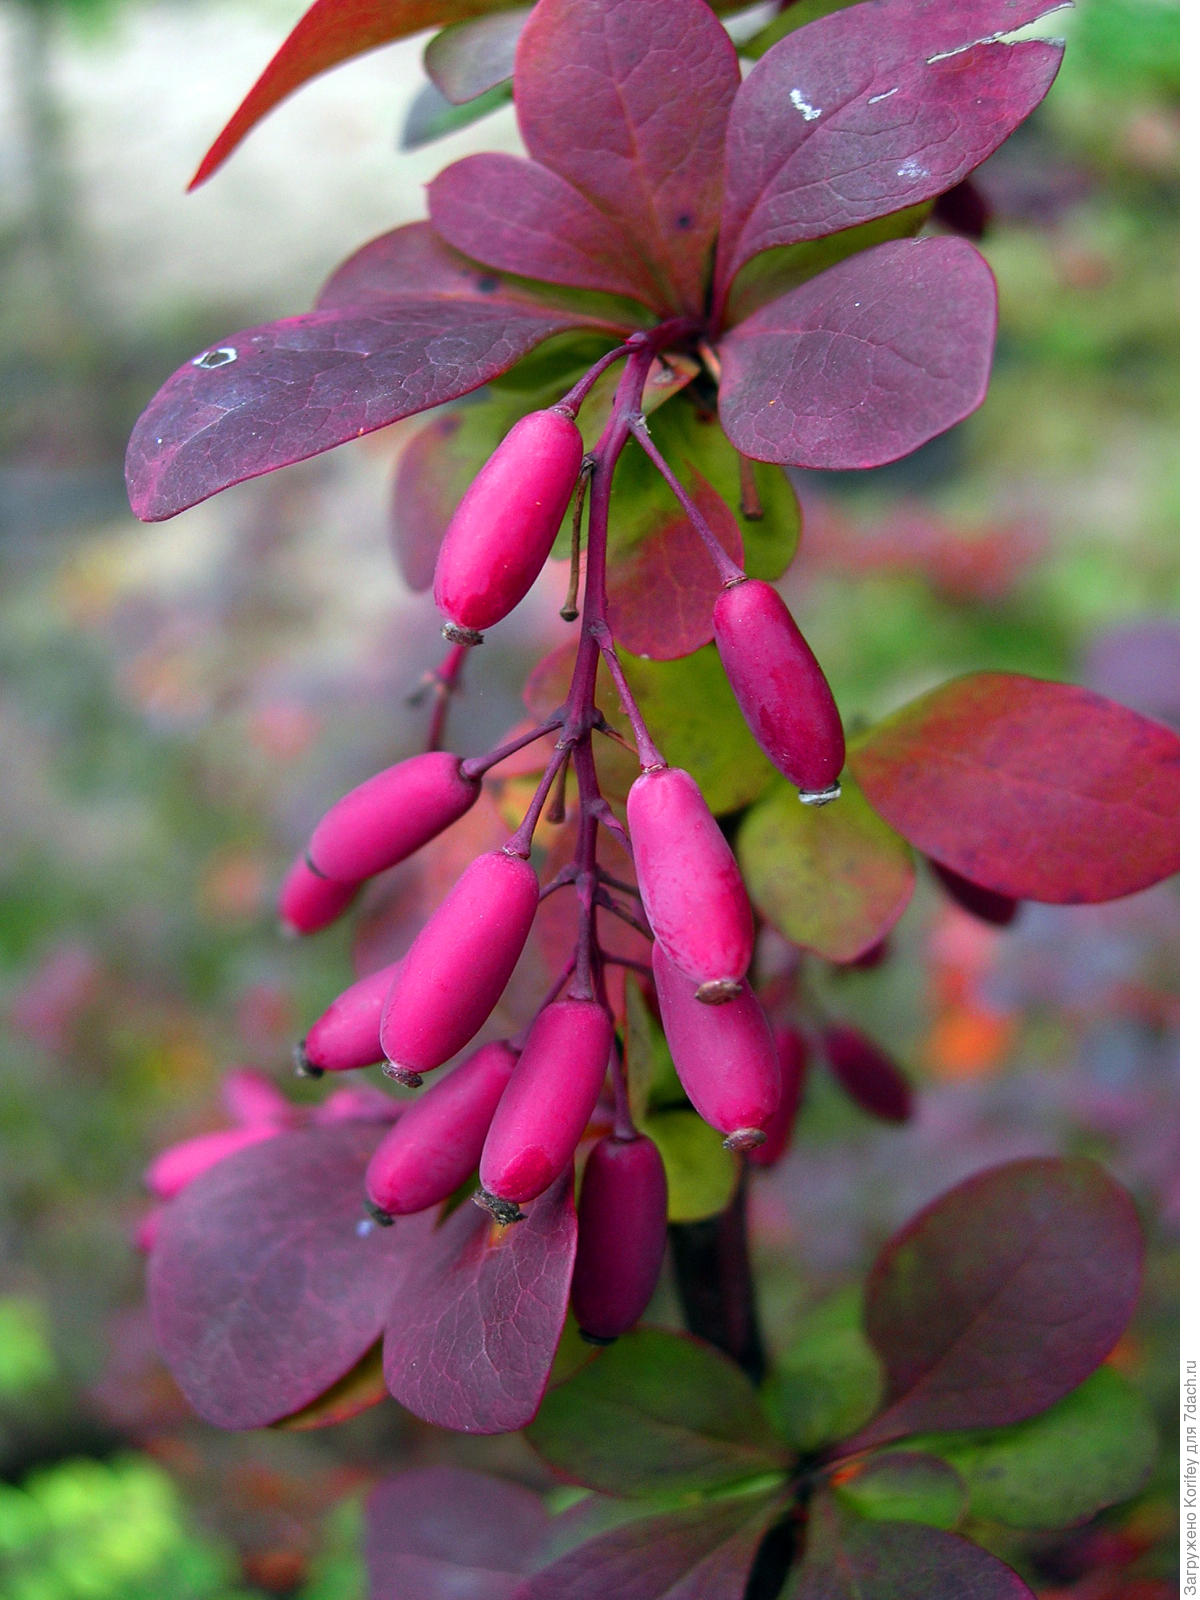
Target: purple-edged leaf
657, 1414
467, 59
265, 1285
870, 110
628, 102
849, 1559
703, 1553
865, 362
903, 1486
1001, 1296
477, 1316
440, 1533
1035, 790
520, 217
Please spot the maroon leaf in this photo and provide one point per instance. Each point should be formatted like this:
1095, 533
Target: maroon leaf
702, 1553
867, 1073
865, 362
1035, 790
870, 110
1001, 1297
409, 261
477, 1316
440, 1533
629, 103
469, 58
266, 1287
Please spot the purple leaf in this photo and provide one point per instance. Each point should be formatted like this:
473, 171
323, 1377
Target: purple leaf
469, 58
870, 110
520, 217
702, 1553
1001, 1297
477, 1316
628, 103
265, 1288
410, 261
440, 1533
865, 362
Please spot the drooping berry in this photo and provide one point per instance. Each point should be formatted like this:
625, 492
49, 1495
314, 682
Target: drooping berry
180, 1164
997, 909
390, 816
455, 971
545, 1109
724, 1055
622, 1235
793, 1073
691, 889
346, 1034
309, 902
868, 1075
437, 1143
500, 536
780, 687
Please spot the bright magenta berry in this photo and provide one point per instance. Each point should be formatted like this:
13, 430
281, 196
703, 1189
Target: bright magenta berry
691, 889
390, 816
780, 687
437, 1143
868, 1074
724, 1055
346, 1034
500, 536
250, 1097
455, 971
308, 902
546, 1107
793, 1073
622, 1235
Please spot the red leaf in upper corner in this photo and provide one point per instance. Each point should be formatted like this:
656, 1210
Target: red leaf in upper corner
628, 103
865, 362
1035, 790
870, 110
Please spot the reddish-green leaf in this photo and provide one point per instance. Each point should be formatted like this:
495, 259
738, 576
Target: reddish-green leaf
868, 111
903, 1486
440, 1533
266, 1284
468, 58
865, 362
629, 103
832, 878
477, 1315
1001, 1296
1038, 791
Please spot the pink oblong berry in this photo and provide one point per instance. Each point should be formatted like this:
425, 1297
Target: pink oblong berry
691, 889
780, 687
390, 816
793, 1073
868, 1074
447, 985
500, 536
250, 1097
180, 1164
436, 1145
622, 1235
545, 1109
308, 902
725, 1055
346, 1034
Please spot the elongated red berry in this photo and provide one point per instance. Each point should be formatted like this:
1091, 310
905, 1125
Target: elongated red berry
250, 1097
180, 1164
436, 1145
622, 1235
500, 536
346, 1034
456, 968
997, 909
780, 687
390, 816
691, 889
308, 902
545, 1109
868, 1074
793, 1073
725, 1055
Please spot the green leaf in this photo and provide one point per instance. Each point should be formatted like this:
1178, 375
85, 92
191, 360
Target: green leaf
701, 1173
828, 1381
904, 1486
431, 116
657, 1414
832, 878
1093, 1449
649, 1072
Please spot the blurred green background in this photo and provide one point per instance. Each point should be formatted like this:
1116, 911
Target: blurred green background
178, 703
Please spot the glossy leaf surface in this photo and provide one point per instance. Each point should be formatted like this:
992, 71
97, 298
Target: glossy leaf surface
477, 1315
1039, 791
867, 361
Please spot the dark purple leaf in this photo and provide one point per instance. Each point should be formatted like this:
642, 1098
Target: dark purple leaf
265, 1285
629, 103
1001, 1296
867, 1073
865, 362
477, 1316
870, 110
1036, 790
467, 59
440, 1533
702, 1553
413, 261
